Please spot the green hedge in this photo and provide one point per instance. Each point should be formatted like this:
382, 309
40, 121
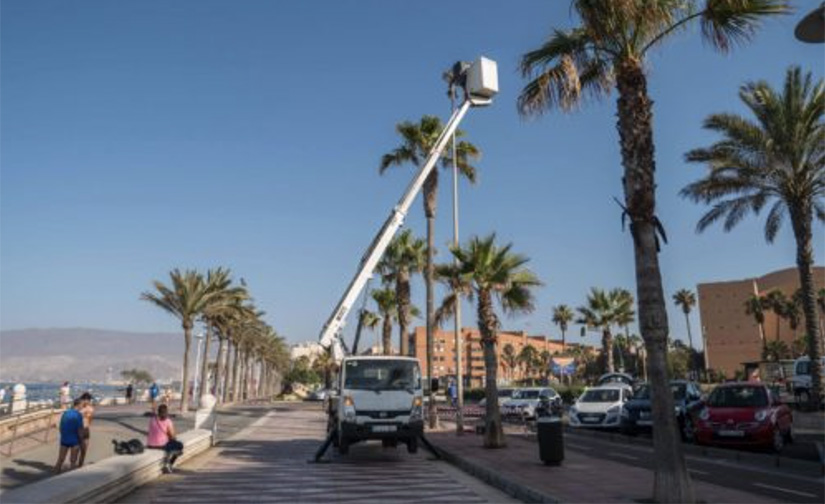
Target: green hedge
473, 394
569, 393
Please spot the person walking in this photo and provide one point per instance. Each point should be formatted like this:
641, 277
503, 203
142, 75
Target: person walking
65, 391
452, 392
129, 393
162, 437
154, 391
71, 434
2, 395
87, 409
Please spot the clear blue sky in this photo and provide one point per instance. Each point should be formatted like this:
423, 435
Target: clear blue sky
143, 136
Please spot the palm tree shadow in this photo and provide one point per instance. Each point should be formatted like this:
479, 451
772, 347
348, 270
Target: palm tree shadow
36, 464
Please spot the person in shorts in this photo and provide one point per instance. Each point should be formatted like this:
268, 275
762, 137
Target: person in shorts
87, 409
71, 435
162, 437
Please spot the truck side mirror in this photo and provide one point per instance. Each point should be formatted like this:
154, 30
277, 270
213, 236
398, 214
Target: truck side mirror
434, 385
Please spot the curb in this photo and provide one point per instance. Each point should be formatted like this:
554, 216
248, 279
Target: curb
516, 490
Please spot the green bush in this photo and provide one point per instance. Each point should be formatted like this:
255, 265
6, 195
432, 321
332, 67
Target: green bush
569, 393
473, 395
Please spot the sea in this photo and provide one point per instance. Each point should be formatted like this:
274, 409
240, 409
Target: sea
51, 391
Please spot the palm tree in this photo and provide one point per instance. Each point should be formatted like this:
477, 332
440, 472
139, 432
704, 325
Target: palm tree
686, 300
186, 299
493, 271
600, 314
792, 311
820, 302
404, 256
325, 365
755, 306
562, 316
417, 140
528, 357
777, 350
387, 305
610, 47
638, 344
777, 302
623, 316
543, 361
508, 355
779, 159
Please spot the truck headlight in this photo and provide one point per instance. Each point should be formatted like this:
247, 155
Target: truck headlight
417, 409
349, 408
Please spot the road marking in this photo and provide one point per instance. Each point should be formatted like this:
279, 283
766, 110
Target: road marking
786, 490
623, 455
696, 471
577, 447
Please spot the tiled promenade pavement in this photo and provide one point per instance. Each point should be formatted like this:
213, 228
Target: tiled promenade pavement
269, 463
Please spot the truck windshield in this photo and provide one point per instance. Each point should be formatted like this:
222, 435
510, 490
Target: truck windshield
382, 375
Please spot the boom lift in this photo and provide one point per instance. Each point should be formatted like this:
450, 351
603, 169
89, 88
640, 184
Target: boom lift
381, 397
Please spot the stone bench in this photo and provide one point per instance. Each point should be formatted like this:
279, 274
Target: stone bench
106, 480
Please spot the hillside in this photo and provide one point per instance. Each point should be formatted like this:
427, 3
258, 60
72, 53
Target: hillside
80, 354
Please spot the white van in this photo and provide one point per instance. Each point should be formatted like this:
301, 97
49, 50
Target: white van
801, 378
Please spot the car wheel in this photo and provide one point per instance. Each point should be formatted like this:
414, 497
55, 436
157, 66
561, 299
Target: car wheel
688, 432
778, 440
412, 445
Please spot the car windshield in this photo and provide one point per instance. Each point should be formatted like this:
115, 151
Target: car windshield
526, 394
382, 375
609, 395
677, 389
505, 392
738, 397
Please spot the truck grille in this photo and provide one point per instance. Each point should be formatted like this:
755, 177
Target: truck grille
382, 414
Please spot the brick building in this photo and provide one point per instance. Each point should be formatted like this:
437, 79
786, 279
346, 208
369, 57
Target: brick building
731, 335
473, 354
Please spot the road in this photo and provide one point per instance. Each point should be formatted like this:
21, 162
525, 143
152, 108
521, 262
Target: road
782, 485
270, 462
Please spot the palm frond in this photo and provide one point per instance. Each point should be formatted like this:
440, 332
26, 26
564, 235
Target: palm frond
725, 23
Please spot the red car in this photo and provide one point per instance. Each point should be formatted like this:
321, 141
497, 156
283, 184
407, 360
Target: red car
744, 414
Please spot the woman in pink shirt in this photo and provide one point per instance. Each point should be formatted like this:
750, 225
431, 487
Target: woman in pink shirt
162, 437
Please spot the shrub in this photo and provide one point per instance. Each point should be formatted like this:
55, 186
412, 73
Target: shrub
569, 393
473, 394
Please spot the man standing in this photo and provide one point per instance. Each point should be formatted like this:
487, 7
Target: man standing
129, 391
87, 409
452, 391
71, 434
65, 391
154, 391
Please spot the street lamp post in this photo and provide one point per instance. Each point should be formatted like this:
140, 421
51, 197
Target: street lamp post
199, 337
812, 27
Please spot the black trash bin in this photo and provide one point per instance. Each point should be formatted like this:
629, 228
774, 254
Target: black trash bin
550, 435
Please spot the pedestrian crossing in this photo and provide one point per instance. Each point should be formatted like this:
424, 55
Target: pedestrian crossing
272, 464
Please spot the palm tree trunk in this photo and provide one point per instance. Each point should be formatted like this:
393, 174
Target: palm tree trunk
607, 346
386, 335
671, 481
488, 325
218, 368
227, 381
402, 293
235, 365
187, 339
429, 280
204, 384
563, 341
801, 220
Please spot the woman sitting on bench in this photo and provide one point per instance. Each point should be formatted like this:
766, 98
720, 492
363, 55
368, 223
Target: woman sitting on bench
162, 437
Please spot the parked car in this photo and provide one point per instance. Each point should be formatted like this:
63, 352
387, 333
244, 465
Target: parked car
320, 394
503, 395
744, 414
600, 406
524, 401
687, 397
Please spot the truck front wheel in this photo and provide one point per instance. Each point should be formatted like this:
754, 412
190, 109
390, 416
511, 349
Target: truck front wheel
412, 445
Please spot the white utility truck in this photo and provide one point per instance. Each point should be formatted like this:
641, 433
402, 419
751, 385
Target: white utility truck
381, 397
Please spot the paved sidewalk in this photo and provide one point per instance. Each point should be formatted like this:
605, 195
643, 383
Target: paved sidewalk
117, 422
581, 478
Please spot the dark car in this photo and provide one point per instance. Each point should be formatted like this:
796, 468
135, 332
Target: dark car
687, 397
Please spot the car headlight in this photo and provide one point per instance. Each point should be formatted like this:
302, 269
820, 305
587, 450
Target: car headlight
417, 409
704, 415
349, 408
614, 410
625, 413
761, 415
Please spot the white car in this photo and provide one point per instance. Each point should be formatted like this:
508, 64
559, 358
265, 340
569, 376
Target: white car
600, 406
504, 394
524, 401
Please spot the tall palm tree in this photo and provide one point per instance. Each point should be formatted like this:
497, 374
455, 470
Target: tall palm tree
686, 300
404, 256
755, 306
778, 158
387, 305
562, 316
607, 48
600, 313
187, 297
492, 272
623, 316
777, 302
820, 302
543, 362
508, 355
417, 140
792, 311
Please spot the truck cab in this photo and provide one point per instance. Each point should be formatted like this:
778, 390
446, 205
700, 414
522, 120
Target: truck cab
377, 397
801, 378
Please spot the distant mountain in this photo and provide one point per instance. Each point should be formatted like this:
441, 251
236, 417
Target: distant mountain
80, 354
